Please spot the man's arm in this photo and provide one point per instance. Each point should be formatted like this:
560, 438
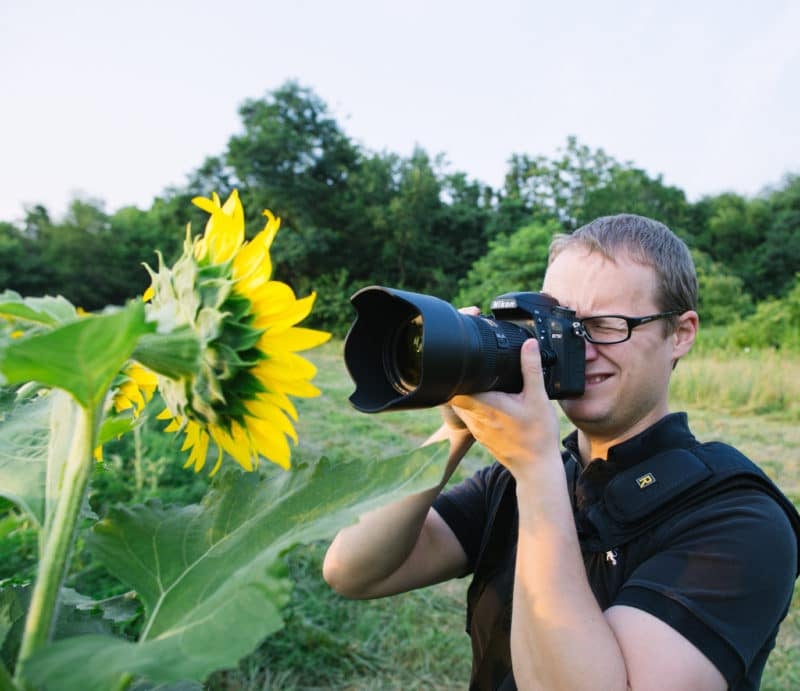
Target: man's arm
403, 545
560, 638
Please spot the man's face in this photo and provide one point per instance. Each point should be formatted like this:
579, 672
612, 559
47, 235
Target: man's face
626, 383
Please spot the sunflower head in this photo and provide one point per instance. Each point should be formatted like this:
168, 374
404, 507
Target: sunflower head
221, 287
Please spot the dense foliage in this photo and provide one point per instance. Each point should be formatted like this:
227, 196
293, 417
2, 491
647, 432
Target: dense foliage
354, 217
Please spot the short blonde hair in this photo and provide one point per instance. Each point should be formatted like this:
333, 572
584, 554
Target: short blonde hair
646, 241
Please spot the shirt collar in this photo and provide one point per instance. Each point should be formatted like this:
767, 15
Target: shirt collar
670, 432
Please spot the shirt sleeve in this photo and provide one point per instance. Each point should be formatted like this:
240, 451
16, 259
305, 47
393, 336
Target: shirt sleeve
464, 507
723, 577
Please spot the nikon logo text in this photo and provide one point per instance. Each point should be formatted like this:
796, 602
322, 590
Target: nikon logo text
646, 480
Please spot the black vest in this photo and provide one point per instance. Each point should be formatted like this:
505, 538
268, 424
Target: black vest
633, 501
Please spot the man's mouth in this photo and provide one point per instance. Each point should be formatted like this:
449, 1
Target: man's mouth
593, 379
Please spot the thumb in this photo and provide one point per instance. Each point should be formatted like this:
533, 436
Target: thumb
531, 365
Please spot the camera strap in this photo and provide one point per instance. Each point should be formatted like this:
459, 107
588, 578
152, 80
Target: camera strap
646, 494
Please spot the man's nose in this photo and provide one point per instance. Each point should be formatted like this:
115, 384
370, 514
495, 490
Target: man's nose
591, 350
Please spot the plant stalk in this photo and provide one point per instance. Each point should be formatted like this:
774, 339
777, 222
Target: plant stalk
60, 539
138, 471
6, 682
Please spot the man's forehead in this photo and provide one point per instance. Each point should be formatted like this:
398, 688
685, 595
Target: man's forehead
590, 282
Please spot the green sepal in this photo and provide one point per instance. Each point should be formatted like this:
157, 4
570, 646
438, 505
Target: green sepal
174, 355
239, 336
238, 307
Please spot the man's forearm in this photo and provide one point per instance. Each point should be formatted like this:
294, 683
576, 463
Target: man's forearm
364, 554
559, 636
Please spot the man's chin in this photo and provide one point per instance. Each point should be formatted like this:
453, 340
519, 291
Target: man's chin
585, 415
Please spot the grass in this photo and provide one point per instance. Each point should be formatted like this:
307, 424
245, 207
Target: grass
753, 383
417, 640
410, 641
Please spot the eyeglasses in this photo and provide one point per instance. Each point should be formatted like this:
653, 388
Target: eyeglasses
608, 329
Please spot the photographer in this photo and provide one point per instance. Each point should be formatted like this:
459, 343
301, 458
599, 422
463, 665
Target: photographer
636, 557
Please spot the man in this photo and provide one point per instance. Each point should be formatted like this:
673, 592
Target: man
637, 557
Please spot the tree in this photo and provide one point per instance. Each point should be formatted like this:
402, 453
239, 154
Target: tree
721, 295
777, 258
632, 190
774, 324
293, 159
557, 188
757, 239
12, 255
461, 231
513, 263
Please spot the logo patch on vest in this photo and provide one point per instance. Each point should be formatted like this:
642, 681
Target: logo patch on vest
646, 480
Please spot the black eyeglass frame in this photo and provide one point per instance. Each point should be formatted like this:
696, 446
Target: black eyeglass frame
632, 323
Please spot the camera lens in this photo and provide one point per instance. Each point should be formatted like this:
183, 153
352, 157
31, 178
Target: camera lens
404, 356
408, 350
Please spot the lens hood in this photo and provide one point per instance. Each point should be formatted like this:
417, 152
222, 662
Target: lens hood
371, 343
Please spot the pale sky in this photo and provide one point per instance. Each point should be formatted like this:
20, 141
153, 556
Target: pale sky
118, 100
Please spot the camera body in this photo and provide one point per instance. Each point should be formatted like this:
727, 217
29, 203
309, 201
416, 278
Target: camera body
408, 350
561, 345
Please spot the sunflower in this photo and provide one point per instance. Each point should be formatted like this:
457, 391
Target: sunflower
136, 389
238, 403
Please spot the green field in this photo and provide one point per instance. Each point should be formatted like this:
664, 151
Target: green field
417, 640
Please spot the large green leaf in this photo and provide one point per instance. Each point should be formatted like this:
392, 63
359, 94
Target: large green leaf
81, 357
210, 575
24, 435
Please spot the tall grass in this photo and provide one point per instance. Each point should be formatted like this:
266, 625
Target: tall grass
759, 382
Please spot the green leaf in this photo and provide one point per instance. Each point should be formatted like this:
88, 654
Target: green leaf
12, 609
80, 357
24, 435
44, 311
211, 576
115, 426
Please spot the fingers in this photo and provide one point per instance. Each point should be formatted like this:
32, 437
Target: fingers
532, 385
451, 418
531, 366
471, 310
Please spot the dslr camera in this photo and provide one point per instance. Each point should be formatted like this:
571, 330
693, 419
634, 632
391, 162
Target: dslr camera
408, 350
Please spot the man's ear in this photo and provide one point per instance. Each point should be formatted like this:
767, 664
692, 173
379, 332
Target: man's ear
684, 335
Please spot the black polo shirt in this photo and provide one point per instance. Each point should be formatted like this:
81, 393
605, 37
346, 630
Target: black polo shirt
720, 571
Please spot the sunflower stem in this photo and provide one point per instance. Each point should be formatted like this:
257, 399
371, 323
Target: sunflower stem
5, 678
60, 539
124, 682
138, 471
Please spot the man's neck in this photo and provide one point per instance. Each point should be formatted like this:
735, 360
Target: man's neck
594, 446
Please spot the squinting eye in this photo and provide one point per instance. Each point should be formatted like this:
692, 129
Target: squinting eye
607, 324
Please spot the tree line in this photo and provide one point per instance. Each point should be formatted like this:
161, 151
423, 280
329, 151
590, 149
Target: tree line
353, 217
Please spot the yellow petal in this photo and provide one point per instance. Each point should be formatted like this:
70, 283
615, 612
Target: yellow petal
292, 339
281, 400
173, 426
282, 367
239, 452
271, 444
207, 205
264, 411
288, 316
216, 465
